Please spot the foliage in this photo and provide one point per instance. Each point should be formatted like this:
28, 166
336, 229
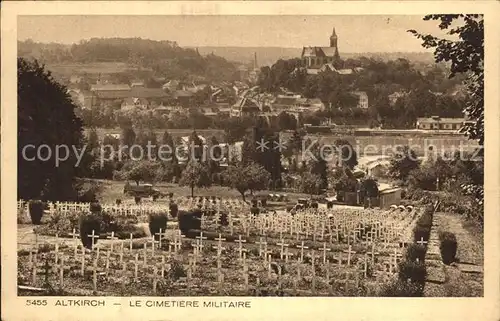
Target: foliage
402, 289
448, 247
403, 162
369, 187
190, 220
246, 177
422, 229
45, 117
195, 175
415, 252
36, 209
89, 223
466, 56
137, 171
310, 183
413, 271
173, 209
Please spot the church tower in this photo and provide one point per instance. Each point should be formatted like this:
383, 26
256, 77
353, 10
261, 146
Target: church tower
333, 39
333, 44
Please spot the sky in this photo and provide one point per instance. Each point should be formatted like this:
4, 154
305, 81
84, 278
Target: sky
356, 33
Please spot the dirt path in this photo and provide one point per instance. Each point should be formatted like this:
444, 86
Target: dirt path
463, 278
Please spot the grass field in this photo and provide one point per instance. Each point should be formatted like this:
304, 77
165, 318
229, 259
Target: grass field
112, 190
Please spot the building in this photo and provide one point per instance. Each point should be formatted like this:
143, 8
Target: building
110, 91
316, 57
438, 123
132, 103
363, 99
390, 196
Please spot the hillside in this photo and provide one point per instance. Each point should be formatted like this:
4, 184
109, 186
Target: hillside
269, 55
161, 57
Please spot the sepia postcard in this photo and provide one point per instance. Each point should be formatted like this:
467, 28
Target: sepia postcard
250, 160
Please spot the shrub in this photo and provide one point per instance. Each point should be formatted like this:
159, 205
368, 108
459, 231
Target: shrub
174, 209
413, 271
314, 205
329, 204
157, 222
422, 229
415, 252
137, 200
402, 289
223, 220
36, 211
254, 210
95, 207
118, 201
88, 223
189, 220
254, 202
447, 247
263, 202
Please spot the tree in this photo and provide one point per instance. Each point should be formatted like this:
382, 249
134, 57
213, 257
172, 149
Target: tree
347, 153
195, 146
46, 116
466, 56
195, 175
403, 162
128, 136
311, 183
246, 177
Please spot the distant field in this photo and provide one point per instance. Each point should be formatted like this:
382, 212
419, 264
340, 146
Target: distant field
90, 68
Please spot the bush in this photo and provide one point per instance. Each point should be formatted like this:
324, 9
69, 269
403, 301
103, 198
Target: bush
174, 209
157, 222
36, 211
223, 219
189, 220
415, 252
413, 271
402, 289
95, 207
137, 200
254, 210
88, 223
448, 247
118, 201
314, 205
422, 229
329, 204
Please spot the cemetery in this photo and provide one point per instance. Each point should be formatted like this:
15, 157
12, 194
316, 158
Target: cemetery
220, 249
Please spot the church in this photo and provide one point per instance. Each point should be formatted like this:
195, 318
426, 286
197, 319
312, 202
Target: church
314, 58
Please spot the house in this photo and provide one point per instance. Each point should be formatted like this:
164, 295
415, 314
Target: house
210, 111
377, 168
315, 57
133, 102
171, 85
438, 123
110, 91
137, 83
389, 196
363, 99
